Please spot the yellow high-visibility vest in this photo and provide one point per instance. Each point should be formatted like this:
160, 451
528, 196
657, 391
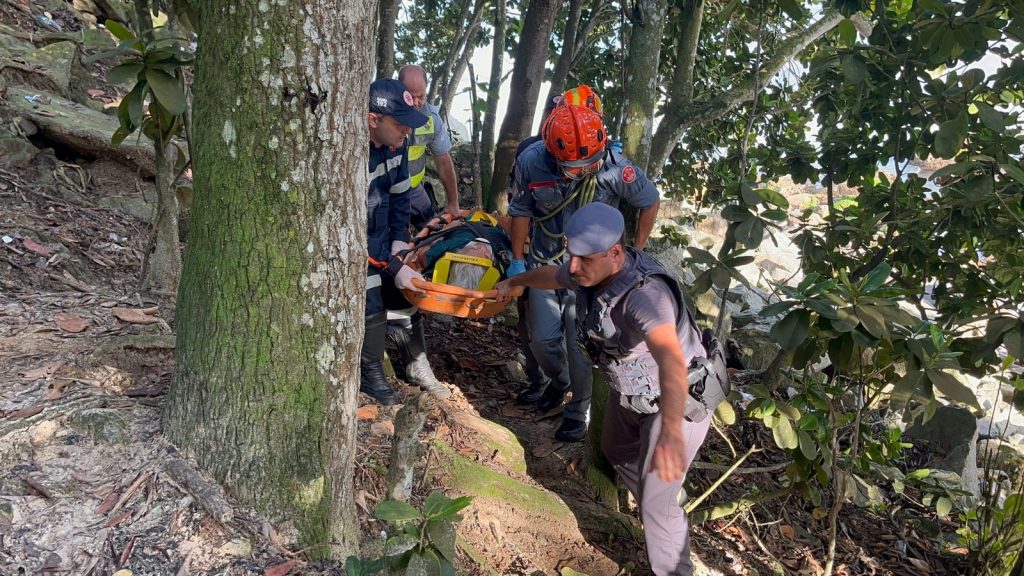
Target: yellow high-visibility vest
418, 150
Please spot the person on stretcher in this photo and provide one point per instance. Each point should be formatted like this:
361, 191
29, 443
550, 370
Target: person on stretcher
471, 251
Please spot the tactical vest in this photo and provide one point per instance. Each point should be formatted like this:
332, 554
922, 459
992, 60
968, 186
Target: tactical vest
418, 150
633, 373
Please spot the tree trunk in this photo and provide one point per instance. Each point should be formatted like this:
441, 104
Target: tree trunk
493, 95
463, 61
163, 262
387, 15
568, 52
678, 118
270, 309
527, 76
439, 78
475, 139
641, 90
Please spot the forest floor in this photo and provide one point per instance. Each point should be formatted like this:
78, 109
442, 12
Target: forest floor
86, 485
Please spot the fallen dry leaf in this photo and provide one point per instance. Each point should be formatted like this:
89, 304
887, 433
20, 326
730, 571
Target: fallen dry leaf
70, 322
280, 569
361, 501
787, 532
25, 412
383, 428
42, 372
118, 519
368, 412
95, 93
135, 315
37, 247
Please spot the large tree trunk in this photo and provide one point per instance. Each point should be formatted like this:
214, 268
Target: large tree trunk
493, 96
678, 118
531, 54
270, 309
387, 15
641, 90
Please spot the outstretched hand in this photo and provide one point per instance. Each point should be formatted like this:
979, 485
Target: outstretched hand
506, 291
669, 454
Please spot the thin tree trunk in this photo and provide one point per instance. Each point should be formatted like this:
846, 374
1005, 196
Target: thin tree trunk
143, 21
163, 263
439, 78
568, 53
460, 66
678, 119
475, 138
583, 35
641, 64
270, 309
387, 15
493, 96
527, 75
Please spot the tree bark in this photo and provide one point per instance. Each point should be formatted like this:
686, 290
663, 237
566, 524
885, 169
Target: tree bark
387, 15
475, 139
641, 90
527, 75
568, 52
270, 308
163, 262
678, 118
463, 61
493, 95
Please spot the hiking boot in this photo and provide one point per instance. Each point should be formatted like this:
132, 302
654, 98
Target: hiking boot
531, 394
418, 371
372, 379
550, 399
571, 430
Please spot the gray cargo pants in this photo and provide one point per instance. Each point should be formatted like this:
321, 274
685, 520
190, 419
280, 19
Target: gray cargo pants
628, 441
552, 317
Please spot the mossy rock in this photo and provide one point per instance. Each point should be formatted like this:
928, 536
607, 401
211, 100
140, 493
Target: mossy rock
11, 46
102, 425
135, 207
498, 440
56, 61
15, 150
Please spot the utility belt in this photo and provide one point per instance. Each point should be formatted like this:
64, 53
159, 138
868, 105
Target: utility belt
707, 381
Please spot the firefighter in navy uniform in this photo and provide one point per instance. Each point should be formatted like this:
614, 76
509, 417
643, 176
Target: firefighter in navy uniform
392, 118
666, 375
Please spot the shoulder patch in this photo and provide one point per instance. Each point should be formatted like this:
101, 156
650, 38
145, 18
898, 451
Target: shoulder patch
628, 174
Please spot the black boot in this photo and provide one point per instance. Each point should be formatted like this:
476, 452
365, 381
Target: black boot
417, 371
373, 382
531, 394
571, 430
550, 399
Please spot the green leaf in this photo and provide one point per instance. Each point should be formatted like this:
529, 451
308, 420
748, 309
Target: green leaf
846, 320
425, 563
725, 413
703, 282
991, 117
127, 72
777, 214
904, 389
952, 388
736, 213
784, 435
1013, 171
750, 232
854, 68
119, 135
442, 537
943, 506
787, 410
134, 103
950, 137
774, 197
792, 330
749, 195
700, 255
397, 545
119, 30
434, 502
720, 277
919, 474
807, 446
167, 90
847, 32
396, 511
776, 308
451, 508
954, 169
871, 320
876, 278
792, 9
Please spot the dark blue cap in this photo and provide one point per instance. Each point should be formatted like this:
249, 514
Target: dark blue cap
390, 97
594, 228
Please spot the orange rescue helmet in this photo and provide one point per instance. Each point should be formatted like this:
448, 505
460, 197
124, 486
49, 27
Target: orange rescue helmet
574, 135
584, 96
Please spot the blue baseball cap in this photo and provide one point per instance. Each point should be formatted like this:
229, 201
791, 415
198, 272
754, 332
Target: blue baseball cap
389, 97
594, 228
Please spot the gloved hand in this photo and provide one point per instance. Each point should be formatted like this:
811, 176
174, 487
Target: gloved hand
398, 246
515, 268
404, 278
616, 146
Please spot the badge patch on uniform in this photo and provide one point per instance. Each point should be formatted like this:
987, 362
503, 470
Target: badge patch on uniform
628, 174
407, 97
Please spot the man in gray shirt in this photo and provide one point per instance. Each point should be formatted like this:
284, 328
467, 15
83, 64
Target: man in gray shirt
632, 316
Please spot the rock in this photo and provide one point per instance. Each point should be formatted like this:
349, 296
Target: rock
135, 207
11, 46
84, 130
996, 454
952, 436
56, 62
15, 150
102, 425
239, 547
113, 10
756, 345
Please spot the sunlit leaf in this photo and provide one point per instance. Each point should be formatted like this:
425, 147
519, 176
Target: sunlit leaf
784, 435
952, 388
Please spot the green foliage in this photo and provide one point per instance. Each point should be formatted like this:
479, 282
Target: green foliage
424, 542
154, 65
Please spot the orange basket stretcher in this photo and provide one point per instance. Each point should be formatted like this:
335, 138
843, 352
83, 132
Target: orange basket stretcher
444, 298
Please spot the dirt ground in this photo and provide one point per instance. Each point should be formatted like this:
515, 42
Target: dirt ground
85, 482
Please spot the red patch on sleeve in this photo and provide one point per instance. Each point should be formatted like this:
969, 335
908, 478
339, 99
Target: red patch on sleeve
628, 174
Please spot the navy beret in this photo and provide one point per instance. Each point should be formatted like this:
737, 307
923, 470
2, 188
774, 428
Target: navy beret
594, 228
